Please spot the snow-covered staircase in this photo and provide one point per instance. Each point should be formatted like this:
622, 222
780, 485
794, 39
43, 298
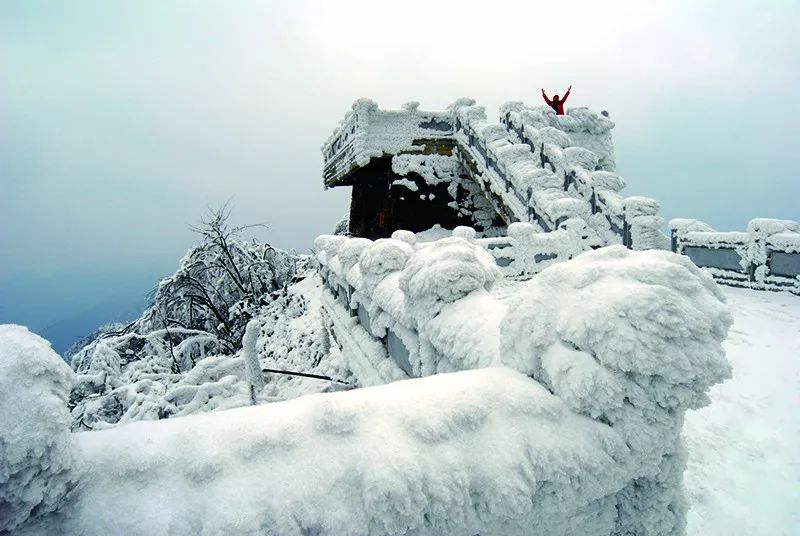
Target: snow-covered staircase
579, 150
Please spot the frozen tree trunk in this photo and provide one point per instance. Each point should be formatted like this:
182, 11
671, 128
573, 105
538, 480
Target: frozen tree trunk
252, 366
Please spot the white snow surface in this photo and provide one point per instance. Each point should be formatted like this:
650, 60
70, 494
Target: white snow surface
743, 473
488, 451
230, 471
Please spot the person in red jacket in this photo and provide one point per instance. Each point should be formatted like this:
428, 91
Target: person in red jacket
557, 103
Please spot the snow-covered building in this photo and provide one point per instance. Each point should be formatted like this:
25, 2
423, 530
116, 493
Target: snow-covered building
539, 187
411, 169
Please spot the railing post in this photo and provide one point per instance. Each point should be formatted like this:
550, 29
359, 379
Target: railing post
568, 179
626, 232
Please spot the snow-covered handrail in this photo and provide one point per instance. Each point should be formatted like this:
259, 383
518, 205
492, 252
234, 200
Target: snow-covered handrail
510, 172
525, 251
579, 150
432, 307
766, 256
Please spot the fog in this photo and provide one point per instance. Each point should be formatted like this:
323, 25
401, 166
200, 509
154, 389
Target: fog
120, 123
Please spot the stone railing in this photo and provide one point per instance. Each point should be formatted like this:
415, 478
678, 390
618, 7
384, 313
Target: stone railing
421, 309
525, 251
766, 256
510, 172
578, 149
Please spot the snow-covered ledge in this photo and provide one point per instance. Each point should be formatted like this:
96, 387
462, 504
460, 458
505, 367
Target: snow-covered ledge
629, 339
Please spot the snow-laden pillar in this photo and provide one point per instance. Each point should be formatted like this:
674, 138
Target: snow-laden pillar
633, 340
644, 224
36, 448
252, 366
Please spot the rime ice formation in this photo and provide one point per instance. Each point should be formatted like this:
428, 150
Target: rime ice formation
533, 166
553, 172
412, 457
766, 256
525, 370
630, 339
618, 343
37, 452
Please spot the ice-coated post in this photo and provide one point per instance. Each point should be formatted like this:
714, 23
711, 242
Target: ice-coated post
252, 366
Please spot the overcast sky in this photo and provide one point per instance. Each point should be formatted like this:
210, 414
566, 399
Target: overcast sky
120, 122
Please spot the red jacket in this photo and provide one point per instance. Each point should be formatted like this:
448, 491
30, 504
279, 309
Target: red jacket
557, 105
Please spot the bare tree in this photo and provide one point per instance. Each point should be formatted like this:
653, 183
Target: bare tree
222, 281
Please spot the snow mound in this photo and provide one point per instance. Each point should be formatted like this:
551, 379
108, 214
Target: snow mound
487, 451
36, 458
447, 271
350, 252
650, 313
383, 256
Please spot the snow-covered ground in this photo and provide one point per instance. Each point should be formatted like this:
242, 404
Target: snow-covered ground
742, 477
743, 474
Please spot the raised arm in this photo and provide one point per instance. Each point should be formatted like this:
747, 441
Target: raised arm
566, 94
548, 101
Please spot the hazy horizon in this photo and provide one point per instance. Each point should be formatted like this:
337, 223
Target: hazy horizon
121, 123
